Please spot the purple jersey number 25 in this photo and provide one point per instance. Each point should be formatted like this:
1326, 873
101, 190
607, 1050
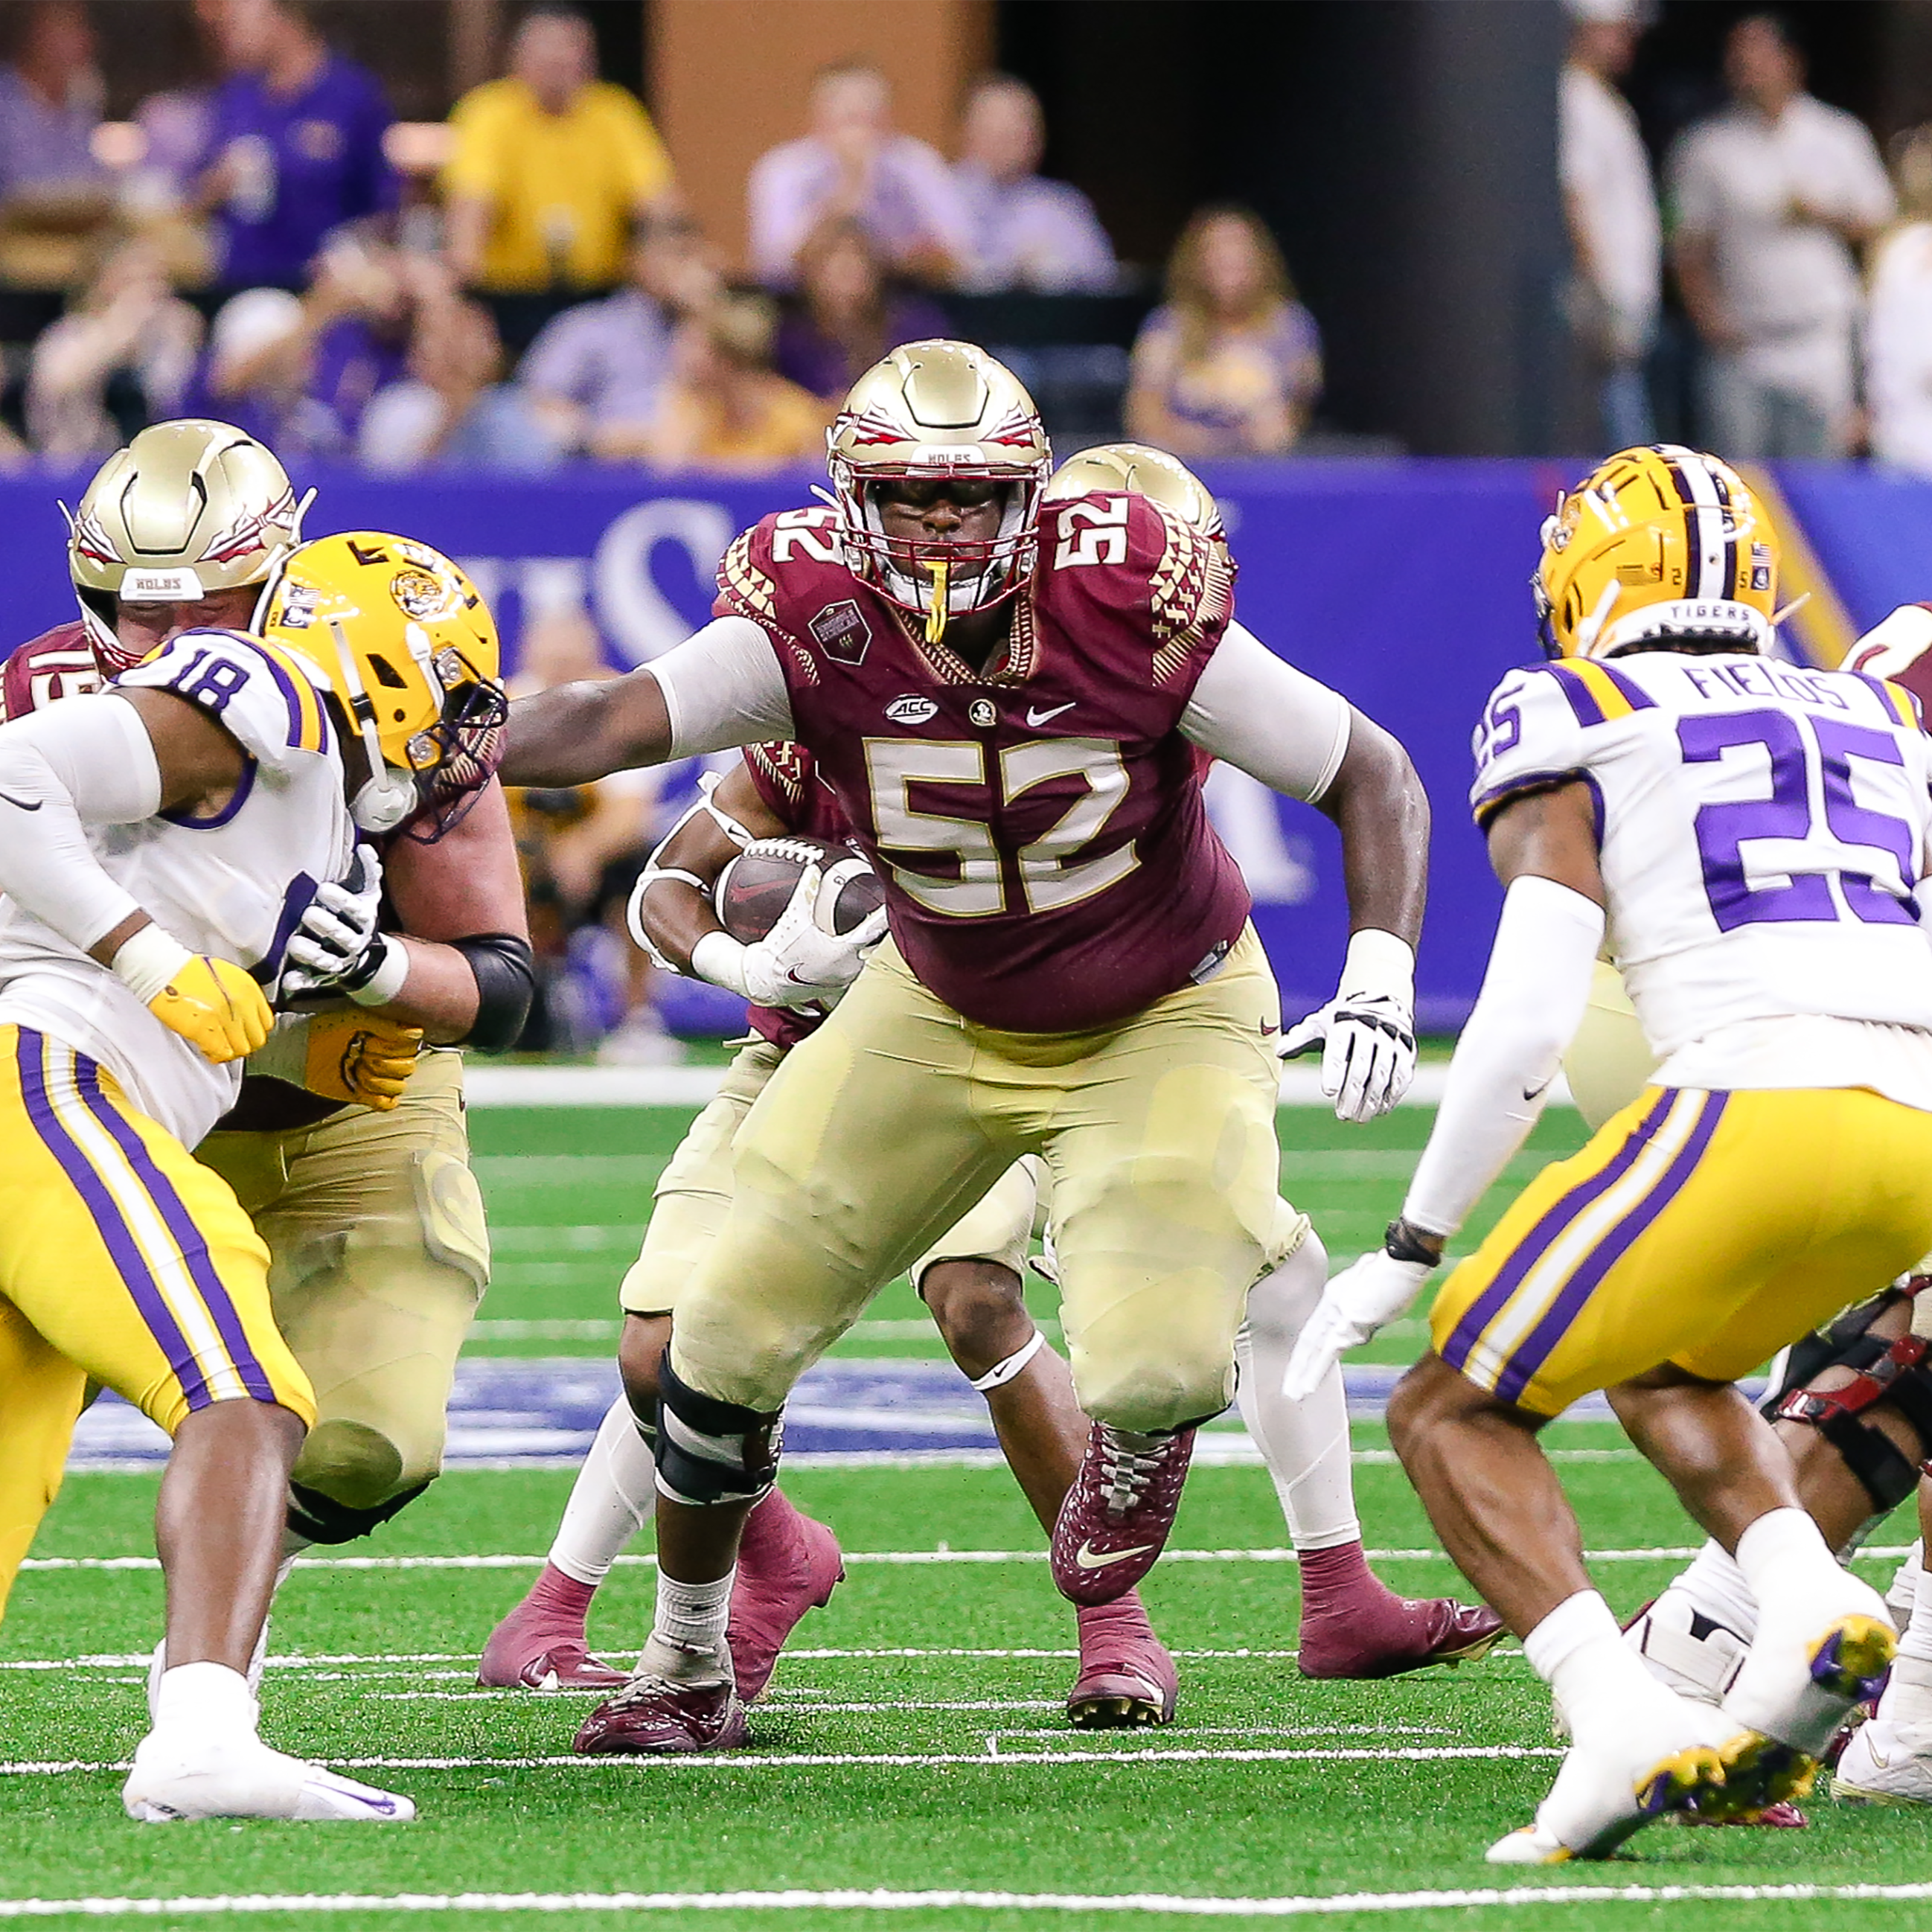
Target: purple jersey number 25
1723, 826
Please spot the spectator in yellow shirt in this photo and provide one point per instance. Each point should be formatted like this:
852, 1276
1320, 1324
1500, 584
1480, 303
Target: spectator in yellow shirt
551, 167
723, 408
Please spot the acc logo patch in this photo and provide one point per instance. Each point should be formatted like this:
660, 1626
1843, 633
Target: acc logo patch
911, 710
841, 631
418, 595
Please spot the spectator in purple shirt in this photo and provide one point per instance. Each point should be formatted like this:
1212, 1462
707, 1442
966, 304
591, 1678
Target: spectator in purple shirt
852, 164
50, 105
296, 149
846, 318
1028, 233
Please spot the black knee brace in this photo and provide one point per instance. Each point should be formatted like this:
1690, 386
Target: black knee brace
713, 1452
1888, 1365
319, 1518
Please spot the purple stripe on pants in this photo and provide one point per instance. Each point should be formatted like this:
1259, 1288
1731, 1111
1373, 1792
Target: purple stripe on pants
113, 1229
188, 1238
1537, 1242
1615, 1243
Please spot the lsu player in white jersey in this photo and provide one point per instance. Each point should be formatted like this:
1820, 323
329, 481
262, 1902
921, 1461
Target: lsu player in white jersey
1853, 1405
164, 838
1749, 838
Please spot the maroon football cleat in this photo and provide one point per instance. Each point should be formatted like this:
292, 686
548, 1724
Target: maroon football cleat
651, 1717
1782, 1817
1116, 1518
540, 1644
1126, 1679
1354, 1625
788, 1564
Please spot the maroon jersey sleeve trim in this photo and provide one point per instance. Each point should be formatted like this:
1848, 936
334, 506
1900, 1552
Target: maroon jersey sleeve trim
780, 772
1191, 595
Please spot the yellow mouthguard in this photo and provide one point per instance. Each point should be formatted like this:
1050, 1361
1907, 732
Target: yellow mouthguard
935, 611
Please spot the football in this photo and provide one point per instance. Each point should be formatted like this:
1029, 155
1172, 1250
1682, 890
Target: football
758, 885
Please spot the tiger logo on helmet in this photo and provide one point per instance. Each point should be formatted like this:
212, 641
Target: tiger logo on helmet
1658, 546
934, 412
404, 643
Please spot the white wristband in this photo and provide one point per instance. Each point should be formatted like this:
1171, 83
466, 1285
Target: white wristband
1377, 963
387, 981
720, 958
146, 961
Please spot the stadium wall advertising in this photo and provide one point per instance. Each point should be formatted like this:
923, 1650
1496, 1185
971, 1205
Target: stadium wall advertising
1404, 583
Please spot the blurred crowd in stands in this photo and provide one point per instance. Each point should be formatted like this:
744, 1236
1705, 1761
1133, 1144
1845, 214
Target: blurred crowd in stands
253, 250
1803, 267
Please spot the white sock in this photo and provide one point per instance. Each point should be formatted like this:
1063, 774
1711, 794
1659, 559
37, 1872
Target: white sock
610, 1501
1717, 1588
1305, 1444
687, 1639
1579, 1652
209, 1698
1784, 1555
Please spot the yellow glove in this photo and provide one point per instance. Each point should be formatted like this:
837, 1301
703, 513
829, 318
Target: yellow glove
212, 1004
360, 1057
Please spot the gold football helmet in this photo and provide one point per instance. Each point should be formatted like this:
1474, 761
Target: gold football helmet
187, 507
1665, 546
406, 646
1146, 472
939, 412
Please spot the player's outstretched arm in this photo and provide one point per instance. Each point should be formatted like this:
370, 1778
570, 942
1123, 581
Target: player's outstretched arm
1544, 850
722, 686
116, 759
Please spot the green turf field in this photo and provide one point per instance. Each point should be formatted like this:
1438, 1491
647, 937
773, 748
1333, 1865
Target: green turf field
912, 1743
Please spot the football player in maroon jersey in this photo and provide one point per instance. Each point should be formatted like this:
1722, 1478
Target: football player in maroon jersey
1009, 709
973, 1281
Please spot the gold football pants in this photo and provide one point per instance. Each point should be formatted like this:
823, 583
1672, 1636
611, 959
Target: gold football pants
693, 1196
898, 1114
1702, 1228
122, 1260
378, 1257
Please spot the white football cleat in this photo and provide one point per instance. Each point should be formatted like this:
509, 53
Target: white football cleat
1668, 1758
238, 1776
157, 1666
1686, 1651
1814, 1661
1886, 1763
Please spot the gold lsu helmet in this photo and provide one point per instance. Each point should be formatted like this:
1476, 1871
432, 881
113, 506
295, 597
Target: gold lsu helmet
1658, 546
937, 412
187, 508
405, 644
1145, 471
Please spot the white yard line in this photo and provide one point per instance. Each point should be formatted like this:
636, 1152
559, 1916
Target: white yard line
1177, 1905
882, 1760
902, 1559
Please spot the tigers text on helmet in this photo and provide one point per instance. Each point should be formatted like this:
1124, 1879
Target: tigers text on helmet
1662, 547
1146, 472
939, 412
187, 508
407, 647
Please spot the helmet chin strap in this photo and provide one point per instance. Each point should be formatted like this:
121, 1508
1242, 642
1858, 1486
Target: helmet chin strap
385, 798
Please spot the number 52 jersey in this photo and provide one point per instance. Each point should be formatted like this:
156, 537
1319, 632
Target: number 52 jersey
1763, 832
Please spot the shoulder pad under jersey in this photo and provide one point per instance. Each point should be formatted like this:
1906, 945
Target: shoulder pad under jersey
59, 663
264, 696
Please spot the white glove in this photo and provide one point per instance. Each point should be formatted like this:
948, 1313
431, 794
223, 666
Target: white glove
796, 964
336, 947
1366, 1032
1353, 1305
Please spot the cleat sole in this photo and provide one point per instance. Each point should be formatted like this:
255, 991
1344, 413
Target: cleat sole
1853, 1661
1757, 1772
1895, 1801
1473, 1650
1687, 1782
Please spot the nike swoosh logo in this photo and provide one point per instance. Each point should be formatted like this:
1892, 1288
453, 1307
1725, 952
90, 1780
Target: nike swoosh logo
1536, 1093
25, 804
1037, 718
1085, 1558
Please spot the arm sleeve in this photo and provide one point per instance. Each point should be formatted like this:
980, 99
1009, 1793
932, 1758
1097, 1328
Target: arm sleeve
1531, 1005
723, 687
88, 761
1261, 714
